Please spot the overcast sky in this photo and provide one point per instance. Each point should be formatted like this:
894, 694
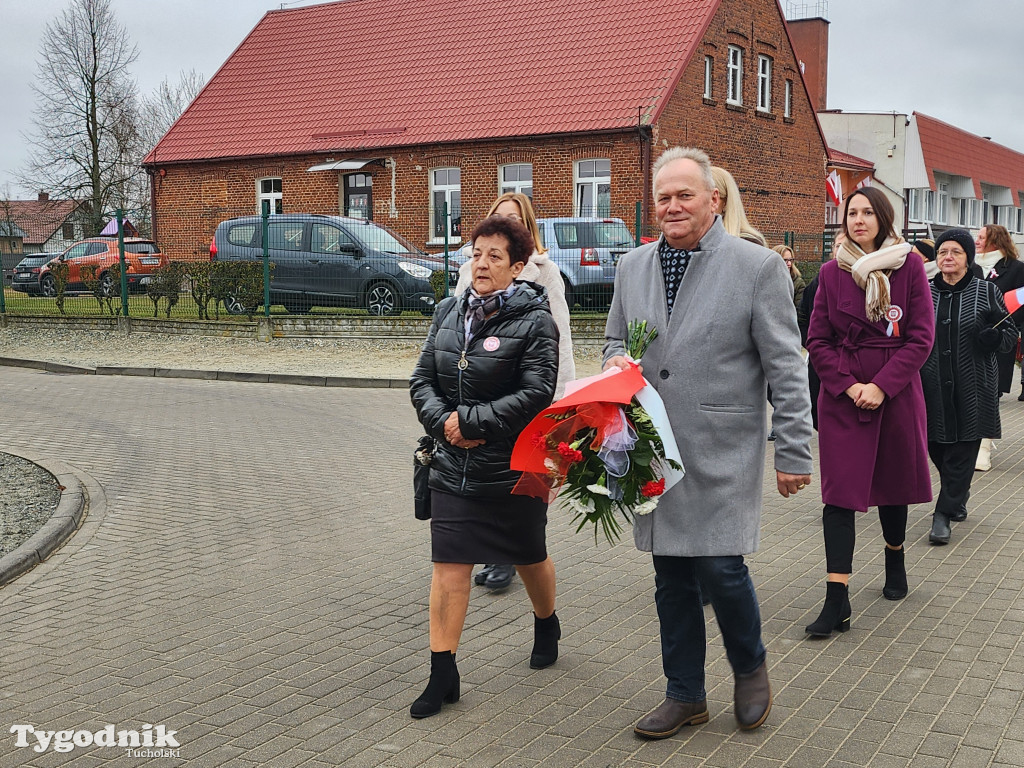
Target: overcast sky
956, 61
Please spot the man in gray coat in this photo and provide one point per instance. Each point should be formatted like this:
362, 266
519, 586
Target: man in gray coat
724, 311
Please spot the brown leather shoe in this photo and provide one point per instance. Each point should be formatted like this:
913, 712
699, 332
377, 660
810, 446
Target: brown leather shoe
670, 716
753, 698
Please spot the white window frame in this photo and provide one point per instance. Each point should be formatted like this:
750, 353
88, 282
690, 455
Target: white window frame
976, 211
929, 206
914, 204
764, 83
963, 211
708, 66
942, 214
451, 190
1020, 221
787, 106
518, 184
734, 68
274, 196
588, 178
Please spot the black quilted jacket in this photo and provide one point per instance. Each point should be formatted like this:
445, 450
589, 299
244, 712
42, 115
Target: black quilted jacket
508, 377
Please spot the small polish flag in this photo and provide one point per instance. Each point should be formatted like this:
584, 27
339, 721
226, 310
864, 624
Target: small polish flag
1014, 300
834, 187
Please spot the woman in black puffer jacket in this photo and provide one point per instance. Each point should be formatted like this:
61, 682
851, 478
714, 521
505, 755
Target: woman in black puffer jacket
488, 367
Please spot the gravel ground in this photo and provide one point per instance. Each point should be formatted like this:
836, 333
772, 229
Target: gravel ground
316, 357
28, 496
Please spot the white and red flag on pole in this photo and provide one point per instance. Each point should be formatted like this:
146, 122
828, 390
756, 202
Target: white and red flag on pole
834, 187
1014, 300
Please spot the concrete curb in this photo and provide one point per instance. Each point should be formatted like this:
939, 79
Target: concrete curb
185, 373
66, 519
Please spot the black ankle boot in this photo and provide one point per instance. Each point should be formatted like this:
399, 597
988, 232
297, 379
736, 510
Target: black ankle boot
546, 634
835, 614
443, 687
895, 575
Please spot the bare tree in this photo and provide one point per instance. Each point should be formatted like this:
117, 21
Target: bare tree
158, 111
86, 142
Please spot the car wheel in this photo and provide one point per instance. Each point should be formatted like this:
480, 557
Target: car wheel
570, 294
234, 306
381, 299
107, 285
48, 286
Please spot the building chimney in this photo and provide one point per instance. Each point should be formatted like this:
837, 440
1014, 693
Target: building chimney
44, 197
810, 44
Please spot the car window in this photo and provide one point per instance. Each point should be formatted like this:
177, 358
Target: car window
141, 248
328, 239
77, 251
592, 234
285, 235
241, 234
380, 238
96, 248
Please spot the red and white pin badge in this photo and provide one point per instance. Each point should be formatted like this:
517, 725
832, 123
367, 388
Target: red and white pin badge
894, 314
491, 343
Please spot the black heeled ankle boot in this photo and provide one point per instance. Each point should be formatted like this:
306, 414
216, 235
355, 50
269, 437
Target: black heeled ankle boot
895, 575
546, 634
835, 614
443, 687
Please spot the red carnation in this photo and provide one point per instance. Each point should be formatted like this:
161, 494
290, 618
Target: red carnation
569, 453
652, 488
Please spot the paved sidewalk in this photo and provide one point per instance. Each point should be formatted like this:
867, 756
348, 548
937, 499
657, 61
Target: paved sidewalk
250, 576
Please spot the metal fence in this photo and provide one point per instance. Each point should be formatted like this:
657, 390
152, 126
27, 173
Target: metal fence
320, 265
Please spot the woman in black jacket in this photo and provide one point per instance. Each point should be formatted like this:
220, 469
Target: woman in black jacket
960, 377
488, 367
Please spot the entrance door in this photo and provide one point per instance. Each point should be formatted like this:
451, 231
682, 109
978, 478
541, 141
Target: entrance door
357, 198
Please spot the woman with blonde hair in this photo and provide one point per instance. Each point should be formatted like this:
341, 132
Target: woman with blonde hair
1000, 264
799, 284
539, 270
730, 208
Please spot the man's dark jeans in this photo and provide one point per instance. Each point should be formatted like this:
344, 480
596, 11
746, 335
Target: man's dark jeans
679, 582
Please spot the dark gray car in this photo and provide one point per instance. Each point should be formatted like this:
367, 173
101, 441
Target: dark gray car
331, 261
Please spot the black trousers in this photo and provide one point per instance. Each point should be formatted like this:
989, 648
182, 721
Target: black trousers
955, 462
841, 533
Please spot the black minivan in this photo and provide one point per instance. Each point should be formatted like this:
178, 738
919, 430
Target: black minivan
332, 261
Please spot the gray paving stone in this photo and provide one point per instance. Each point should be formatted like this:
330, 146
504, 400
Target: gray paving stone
254, 579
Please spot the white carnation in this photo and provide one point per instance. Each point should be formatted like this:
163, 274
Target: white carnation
599, 490
646, 508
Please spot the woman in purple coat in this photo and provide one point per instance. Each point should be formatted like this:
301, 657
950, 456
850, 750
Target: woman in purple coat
871, 330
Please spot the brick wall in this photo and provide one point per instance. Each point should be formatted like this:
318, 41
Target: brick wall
191, 199
777, 162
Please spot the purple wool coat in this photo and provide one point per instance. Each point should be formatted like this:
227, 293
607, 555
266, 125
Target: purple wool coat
872, 458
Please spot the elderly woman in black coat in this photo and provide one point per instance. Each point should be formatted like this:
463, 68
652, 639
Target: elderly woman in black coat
961, 376
488, 367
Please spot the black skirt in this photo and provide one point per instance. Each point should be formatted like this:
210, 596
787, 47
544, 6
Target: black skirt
504, 530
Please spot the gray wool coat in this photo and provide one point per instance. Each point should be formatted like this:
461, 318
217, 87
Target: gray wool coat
732, 330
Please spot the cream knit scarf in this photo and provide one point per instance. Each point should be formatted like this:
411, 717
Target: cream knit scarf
987, 261
871, 271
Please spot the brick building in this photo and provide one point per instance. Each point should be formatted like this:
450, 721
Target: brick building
393, 110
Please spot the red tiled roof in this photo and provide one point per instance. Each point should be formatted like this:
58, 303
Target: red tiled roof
377, 73
948, 149
39, 218
848, 161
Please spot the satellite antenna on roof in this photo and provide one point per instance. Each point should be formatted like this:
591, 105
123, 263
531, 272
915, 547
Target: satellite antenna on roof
818, 9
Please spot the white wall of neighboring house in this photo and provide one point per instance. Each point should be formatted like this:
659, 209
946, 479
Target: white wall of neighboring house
880, 138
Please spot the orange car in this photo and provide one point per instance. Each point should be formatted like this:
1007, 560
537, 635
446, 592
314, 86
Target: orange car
142, 258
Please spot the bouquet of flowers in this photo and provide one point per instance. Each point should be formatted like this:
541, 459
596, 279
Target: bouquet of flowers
607, 446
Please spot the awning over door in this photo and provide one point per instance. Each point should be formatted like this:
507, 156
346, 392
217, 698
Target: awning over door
343, 165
